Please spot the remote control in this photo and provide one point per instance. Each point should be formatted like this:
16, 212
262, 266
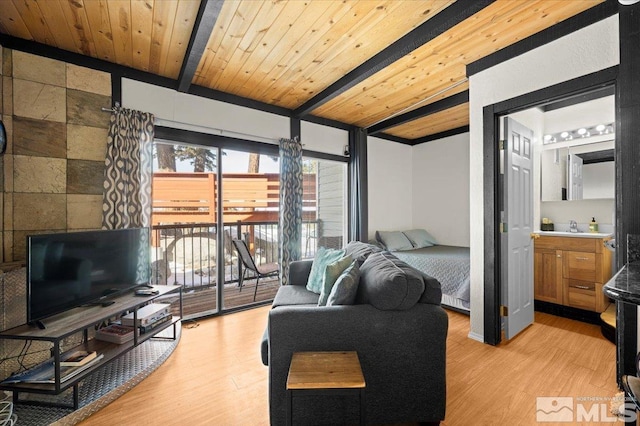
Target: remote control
146, 292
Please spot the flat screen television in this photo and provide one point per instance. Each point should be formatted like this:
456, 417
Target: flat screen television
68, 270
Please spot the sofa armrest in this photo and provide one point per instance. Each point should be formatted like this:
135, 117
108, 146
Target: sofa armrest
401, 353
299, 271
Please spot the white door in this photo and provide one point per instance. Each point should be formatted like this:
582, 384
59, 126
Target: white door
516, 241
575, 177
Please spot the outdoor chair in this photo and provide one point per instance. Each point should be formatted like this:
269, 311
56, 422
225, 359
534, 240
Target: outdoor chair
260, 271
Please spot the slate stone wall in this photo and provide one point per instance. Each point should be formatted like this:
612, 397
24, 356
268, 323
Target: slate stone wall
53, 170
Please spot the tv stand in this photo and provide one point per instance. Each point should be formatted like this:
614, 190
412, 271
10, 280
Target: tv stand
38, 324
103, 303
82, 320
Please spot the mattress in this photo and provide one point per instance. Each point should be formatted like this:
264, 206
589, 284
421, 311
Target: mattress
448, 264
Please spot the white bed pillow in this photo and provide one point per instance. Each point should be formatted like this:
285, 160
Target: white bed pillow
420, 238
394, 240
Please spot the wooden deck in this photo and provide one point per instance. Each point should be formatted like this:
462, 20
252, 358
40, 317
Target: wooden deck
203, 300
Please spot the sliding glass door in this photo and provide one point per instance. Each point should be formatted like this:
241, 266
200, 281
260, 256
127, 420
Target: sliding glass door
185, 223
250, 200
208, 200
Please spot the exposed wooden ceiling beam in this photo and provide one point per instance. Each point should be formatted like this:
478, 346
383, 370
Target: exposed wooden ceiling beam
205, 22
443, 21
393, 138
441, 105
441, 135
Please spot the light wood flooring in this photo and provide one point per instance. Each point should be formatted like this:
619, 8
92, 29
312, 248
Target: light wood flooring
215, 376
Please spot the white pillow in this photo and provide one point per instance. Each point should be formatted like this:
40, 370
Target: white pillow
394, 240
420, 238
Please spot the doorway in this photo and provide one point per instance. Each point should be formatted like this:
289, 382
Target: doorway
570, 91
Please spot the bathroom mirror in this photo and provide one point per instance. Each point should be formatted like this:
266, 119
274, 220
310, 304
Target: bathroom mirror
577, 172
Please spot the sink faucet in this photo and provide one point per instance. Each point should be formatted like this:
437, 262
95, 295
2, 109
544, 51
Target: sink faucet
573, 226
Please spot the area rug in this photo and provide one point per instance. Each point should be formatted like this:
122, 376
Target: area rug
101, 388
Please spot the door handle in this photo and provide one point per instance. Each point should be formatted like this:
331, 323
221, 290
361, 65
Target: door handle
581, 258
534, 236
582, 287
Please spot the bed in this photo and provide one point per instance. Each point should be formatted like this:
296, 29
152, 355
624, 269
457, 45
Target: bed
447, 264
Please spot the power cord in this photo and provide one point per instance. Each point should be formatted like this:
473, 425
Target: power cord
7, 416
20, 359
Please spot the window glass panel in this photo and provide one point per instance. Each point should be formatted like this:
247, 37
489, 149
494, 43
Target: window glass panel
184, 223
324, 205
250, 207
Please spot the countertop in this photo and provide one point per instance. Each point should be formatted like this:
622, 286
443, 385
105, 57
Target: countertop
625, 285
578, 234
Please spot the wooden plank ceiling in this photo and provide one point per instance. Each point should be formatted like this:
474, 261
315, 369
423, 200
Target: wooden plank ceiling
284, 53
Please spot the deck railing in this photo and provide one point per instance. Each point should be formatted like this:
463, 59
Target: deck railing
187, 254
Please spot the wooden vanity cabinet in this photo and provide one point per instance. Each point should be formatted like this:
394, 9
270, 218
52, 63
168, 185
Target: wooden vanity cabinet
571, 271
547, 275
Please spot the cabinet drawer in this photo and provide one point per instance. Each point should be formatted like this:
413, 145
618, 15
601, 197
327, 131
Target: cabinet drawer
581, 294
580, 265
567, 243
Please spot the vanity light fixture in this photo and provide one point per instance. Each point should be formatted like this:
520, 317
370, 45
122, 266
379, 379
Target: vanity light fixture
583, 132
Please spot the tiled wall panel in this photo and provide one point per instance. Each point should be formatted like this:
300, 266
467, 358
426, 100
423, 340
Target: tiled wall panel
53, 171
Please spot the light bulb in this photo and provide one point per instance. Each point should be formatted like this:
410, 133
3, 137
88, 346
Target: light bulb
582, 131
600, 127
564, 135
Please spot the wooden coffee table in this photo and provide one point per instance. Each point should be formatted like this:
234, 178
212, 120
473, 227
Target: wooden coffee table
325, 373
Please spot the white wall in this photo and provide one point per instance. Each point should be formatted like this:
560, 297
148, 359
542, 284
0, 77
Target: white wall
330, 140
390, 186
181, 110
597, 111
190, 112
585, 51
562, 212
441, 189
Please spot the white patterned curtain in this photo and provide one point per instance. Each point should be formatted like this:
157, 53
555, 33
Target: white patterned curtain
290, 229
127, 178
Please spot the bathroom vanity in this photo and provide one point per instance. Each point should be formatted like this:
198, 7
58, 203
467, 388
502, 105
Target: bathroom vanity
570, 269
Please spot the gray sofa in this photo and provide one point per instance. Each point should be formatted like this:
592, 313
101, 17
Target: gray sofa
402, 348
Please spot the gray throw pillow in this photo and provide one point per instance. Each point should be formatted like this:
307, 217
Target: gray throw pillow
323, 257
360, 251
420, 238
388, 283
345, 289
331, 274
394, 240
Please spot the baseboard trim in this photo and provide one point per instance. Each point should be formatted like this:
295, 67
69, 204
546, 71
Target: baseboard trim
567, 312
476, 336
